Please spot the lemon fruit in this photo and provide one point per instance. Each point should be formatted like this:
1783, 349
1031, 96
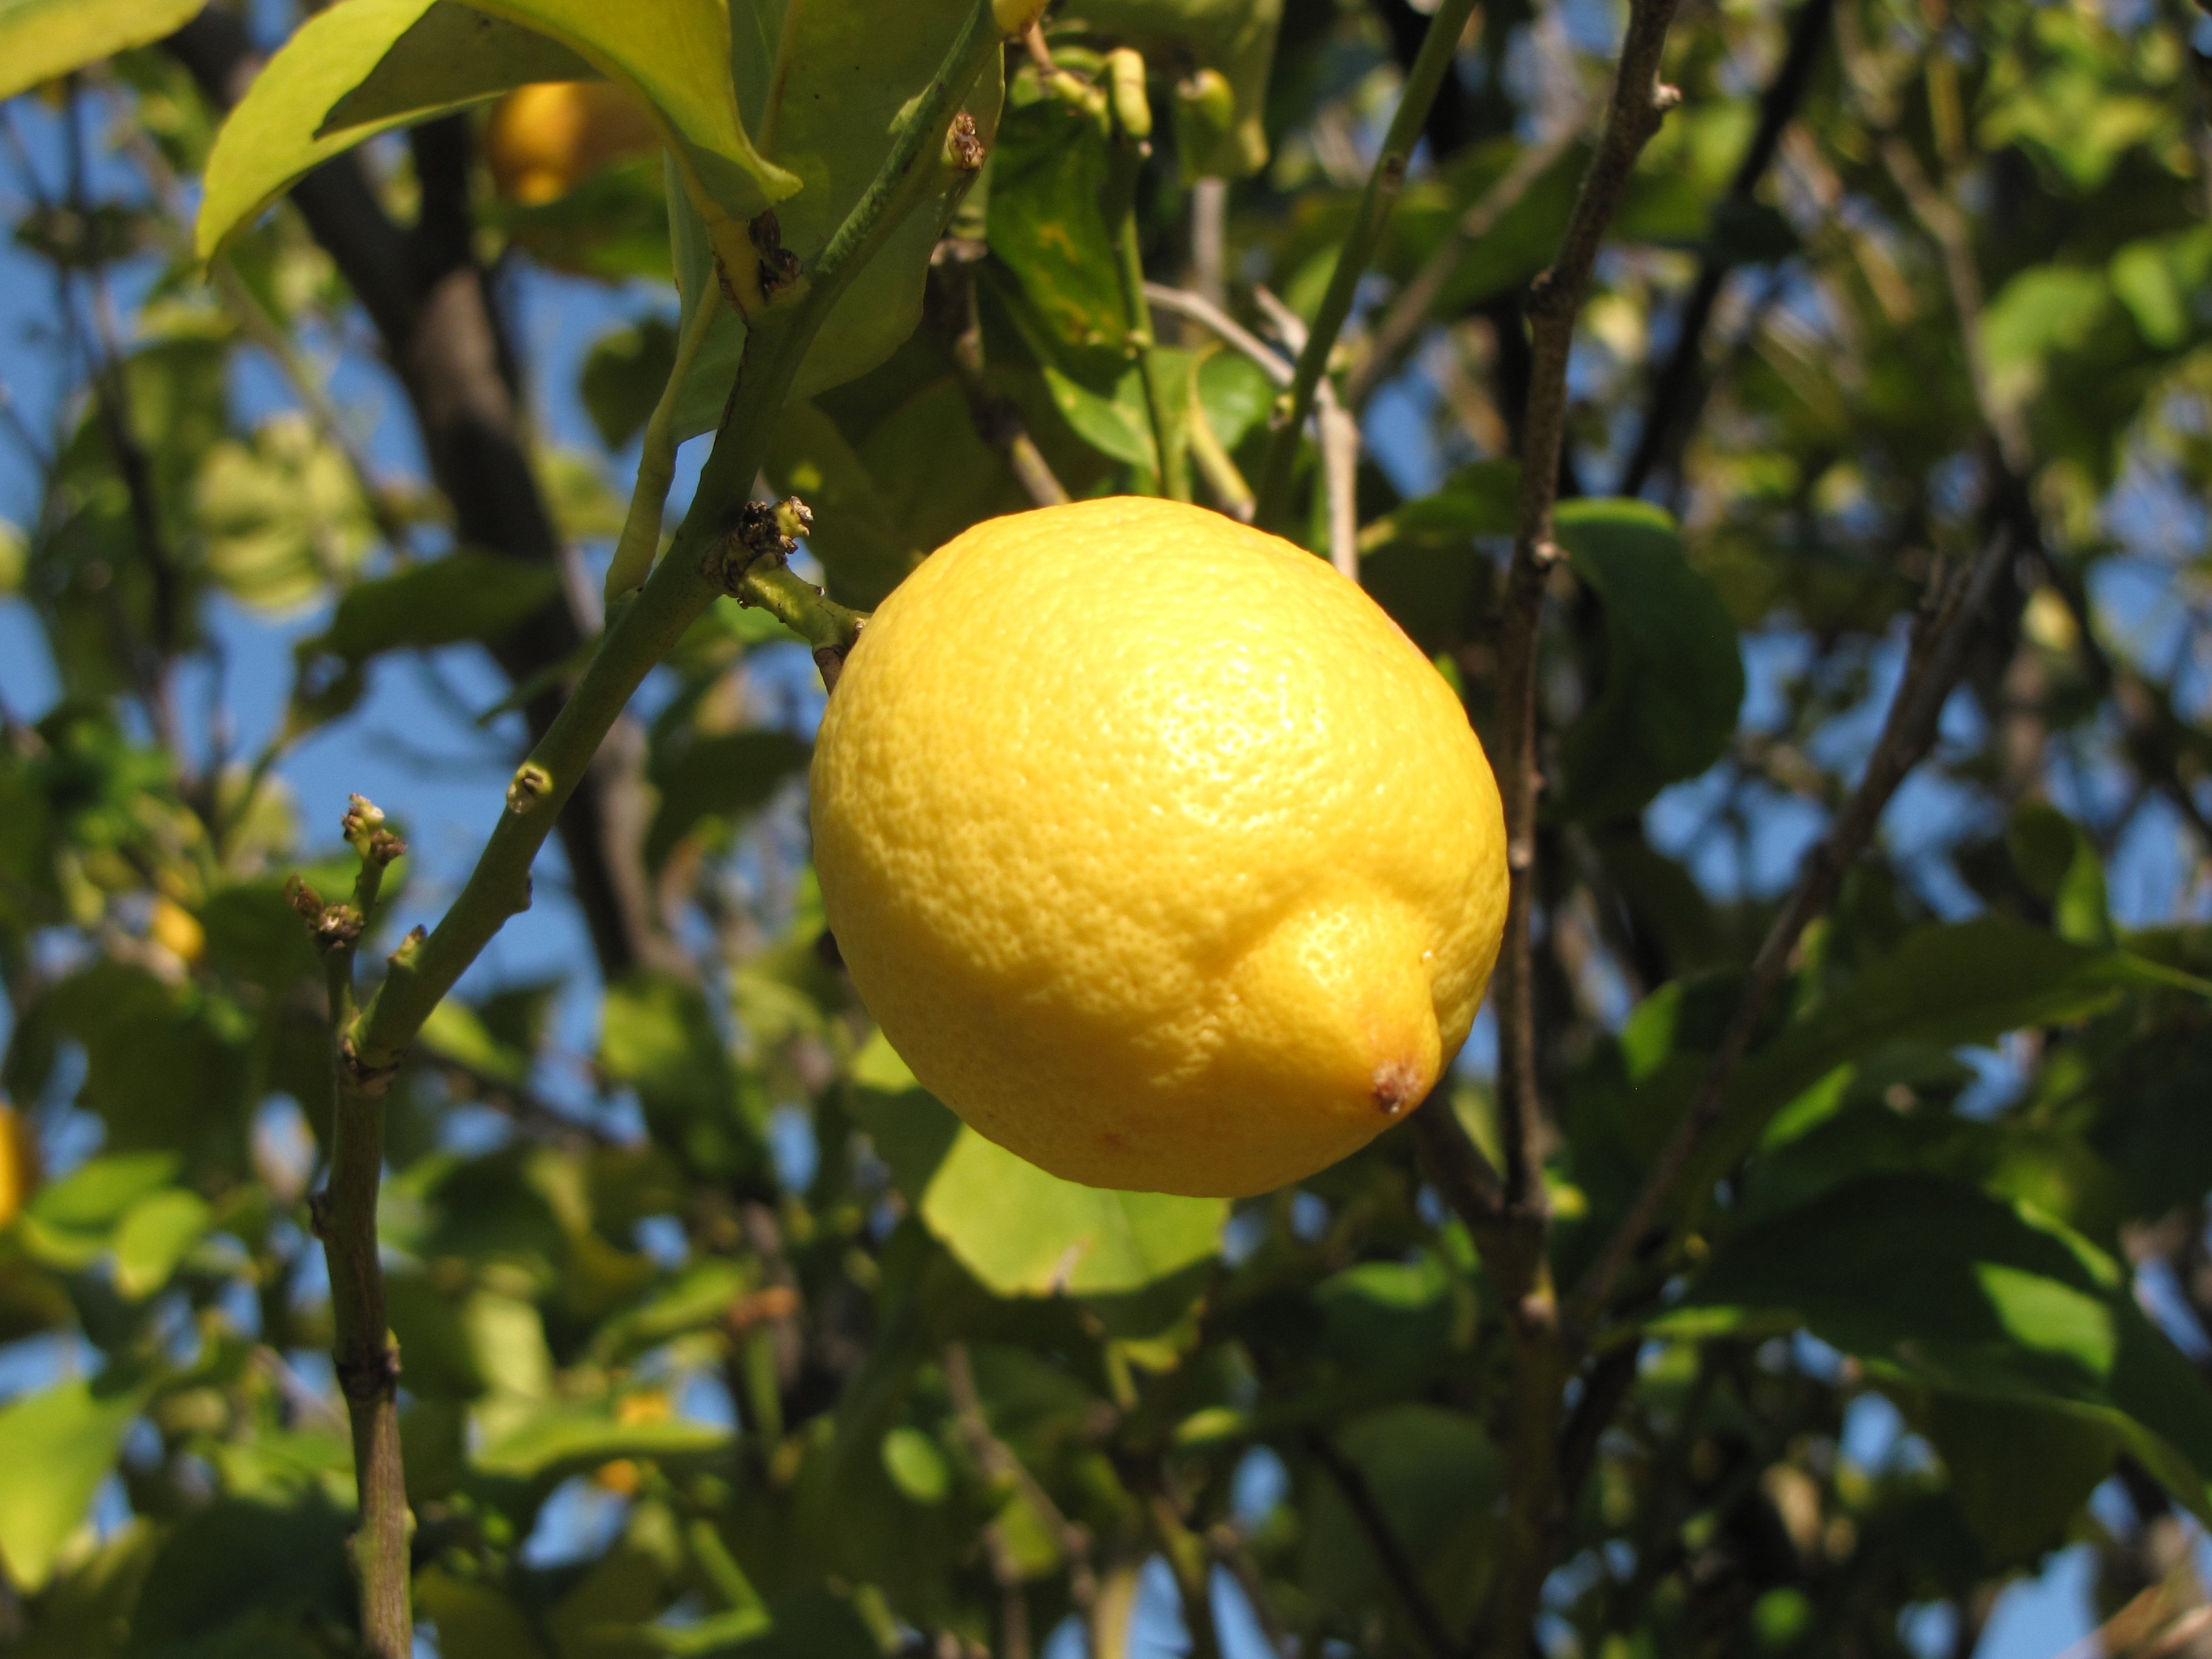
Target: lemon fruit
1160, 853
19, 1163
546, 139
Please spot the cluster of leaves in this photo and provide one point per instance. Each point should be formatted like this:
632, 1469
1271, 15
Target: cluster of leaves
786, 1360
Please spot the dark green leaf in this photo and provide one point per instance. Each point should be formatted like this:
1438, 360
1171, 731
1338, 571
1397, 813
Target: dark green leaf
724, 776
1939, 1284
1674, 676
462, 596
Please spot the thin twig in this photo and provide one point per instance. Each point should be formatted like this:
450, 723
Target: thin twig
1201, 310
998, 1461
1675, 390
1639, 103
1352, 1485
1339, 435
1936, 659
996, 418
1943, 220
1384, 182
1227, 1542
1409, 310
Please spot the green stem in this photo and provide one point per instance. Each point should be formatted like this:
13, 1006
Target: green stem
1383, 184
1214, 461
1174, 461
656, 465
677, 593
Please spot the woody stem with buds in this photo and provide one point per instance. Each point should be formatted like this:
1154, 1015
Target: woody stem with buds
345, 1218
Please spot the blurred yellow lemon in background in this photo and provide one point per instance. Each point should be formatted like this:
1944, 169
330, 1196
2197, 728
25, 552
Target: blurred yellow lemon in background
1156, 849
547, 139
19, 1163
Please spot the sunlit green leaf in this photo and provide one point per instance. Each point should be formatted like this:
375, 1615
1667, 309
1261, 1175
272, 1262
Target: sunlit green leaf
57, 1445
43, 40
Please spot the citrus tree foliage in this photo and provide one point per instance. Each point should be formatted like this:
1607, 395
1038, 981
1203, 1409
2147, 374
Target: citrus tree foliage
744, 1345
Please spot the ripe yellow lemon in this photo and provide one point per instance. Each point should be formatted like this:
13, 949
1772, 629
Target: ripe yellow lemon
1158, 851
546, 139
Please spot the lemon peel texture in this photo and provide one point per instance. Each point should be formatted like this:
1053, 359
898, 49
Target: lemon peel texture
1156, 849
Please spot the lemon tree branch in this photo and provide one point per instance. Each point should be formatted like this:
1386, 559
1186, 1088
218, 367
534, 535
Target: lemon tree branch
344, 1219
1936, 660
682, 586
1521, 1269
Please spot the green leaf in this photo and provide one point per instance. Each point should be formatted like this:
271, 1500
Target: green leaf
464, 596
280, 513
916, 1466
232, 1576
567, 1440
724, 776
383, 64
1019, 1231
1393, 1315
474, 1618
2059, 862
862, 543
2016, 1506
56, 1447
623, 377
1674, 674
702, 1294
1946, 986
659, 1037
1936, 1283
69, 1223
451, 55
1433, 1474
155, 1237
456, 1032
831, 83
41, 40
1048, 184
1421, 562
677, 59
277, 133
